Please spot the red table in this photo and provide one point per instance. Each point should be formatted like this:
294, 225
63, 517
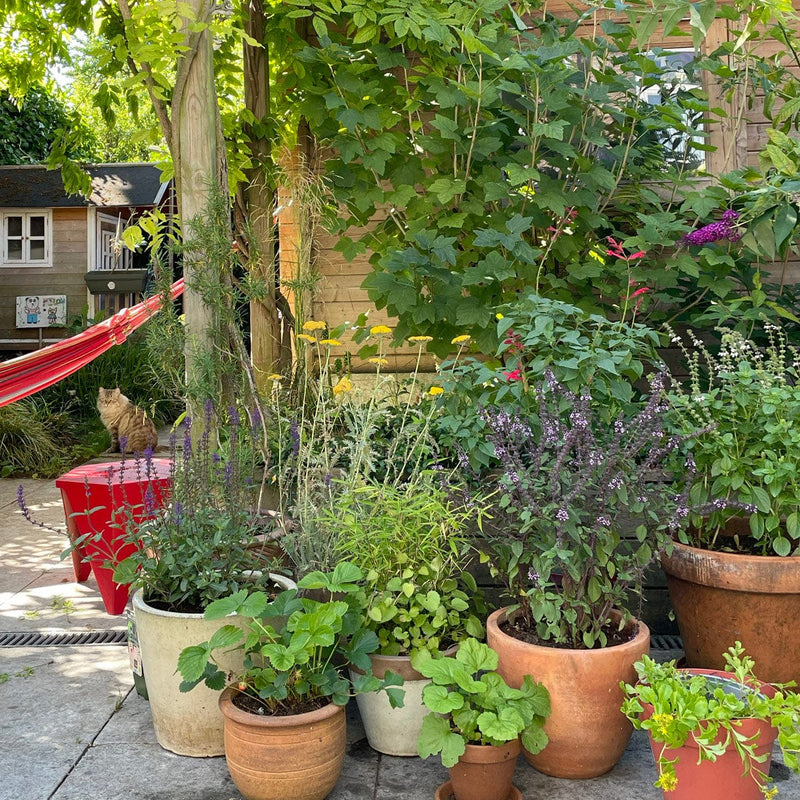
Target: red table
102, 499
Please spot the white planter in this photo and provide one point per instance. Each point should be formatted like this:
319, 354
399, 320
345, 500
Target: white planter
186, 723
394, 731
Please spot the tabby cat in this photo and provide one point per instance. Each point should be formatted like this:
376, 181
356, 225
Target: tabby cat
125, 421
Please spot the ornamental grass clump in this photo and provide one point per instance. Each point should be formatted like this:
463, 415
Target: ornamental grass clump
569, 488
740, 415
413, 544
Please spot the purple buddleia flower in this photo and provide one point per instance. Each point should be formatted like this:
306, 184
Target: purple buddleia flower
294, 432
716, 231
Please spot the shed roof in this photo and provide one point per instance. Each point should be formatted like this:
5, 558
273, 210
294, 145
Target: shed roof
34, 186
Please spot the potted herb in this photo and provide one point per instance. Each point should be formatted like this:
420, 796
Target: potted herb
712, 731
412, 543
734, 573
583, 510
284, 711
476, 721
186, 554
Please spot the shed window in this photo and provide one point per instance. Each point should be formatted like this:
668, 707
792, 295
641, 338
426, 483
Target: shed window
26, 238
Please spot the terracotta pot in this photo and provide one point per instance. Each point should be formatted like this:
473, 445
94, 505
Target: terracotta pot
721, 779
485, 772
284, 758
720, 598
588, 733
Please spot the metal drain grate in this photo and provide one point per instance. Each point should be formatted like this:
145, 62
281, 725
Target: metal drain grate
61, 639
666, 642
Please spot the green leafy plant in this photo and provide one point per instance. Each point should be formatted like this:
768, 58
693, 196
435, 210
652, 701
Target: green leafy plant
296, 648
675, 707
538, 334
199, 546
741, 414
470, 703
412, 543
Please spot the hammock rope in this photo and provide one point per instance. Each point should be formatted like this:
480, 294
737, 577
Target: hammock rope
28, 374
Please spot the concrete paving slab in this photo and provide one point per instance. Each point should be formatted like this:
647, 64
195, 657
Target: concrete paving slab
53, 703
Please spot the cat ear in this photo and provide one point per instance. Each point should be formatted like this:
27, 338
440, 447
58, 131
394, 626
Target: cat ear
116, 392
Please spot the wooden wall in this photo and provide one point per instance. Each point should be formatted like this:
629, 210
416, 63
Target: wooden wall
65, 276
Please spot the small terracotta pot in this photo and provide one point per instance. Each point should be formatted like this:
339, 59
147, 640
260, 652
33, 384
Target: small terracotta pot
721, 779
485, 772
587, 731
721, 598
284, 758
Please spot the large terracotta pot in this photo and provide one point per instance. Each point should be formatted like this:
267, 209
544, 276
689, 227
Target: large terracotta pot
485, 772
298, 757
721, 779
587, 731
186, 723
721, 598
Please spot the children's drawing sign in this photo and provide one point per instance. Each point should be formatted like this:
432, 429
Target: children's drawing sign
42, 311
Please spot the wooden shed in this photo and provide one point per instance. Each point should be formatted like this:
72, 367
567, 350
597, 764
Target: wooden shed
61, 254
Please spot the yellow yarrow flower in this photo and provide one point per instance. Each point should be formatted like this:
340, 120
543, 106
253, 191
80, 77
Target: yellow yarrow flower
314, 325
420, 339
331, 342
434, 390
465, 337
306, 338
344, 385
379, 361
498, 316
377, 330
275, 377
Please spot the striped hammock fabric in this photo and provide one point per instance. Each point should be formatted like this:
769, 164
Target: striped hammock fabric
28, 374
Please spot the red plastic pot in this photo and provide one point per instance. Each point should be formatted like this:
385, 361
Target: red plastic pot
722, 779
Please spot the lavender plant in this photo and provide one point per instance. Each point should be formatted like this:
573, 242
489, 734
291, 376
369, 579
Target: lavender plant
200, 546
569, 487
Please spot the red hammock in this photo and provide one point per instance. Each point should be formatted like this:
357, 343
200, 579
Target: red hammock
28, 374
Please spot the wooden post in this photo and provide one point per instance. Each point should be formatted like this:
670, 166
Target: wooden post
265, 330
199, 166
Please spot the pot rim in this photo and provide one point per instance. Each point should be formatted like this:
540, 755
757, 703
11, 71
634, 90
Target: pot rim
234, 714
735, 571
140, 602
491, 753
642, 636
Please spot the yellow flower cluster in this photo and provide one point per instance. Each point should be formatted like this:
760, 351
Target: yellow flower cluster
331, 342
663, 721
275, 377
378, 330
463, 339
306, 337
314, 325
667, 781
379, 361
420, 339
344, 385
434, 390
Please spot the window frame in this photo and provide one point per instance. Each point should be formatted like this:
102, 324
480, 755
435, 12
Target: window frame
47, 238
